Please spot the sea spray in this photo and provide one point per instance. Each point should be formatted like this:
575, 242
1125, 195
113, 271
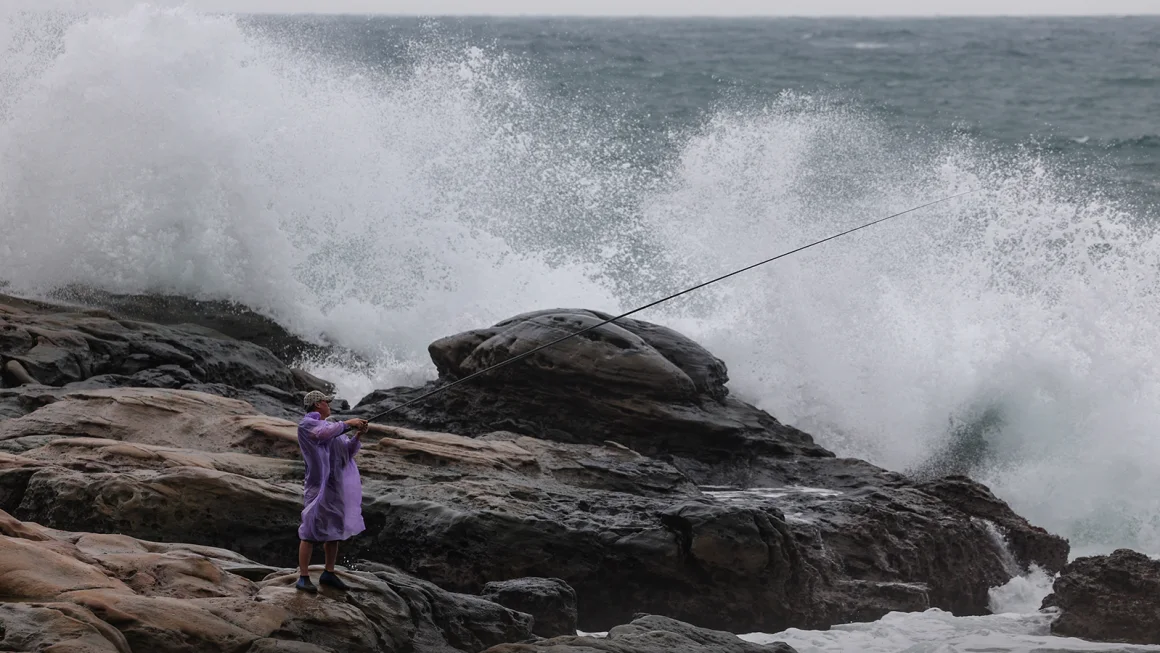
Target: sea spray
161, 150
1026, 305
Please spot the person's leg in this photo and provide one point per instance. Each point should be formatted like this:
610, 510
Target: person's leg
305, 551
329, 578
331, 550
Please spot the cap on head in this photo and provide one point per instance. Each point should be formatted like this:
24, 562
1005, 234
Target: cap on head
314, 397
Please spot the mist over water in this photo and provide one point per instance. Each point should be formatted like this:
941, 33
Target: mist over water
1008, 333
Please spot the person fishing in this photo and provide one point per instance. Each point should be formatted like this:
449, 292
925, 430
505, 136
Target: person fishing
332, 491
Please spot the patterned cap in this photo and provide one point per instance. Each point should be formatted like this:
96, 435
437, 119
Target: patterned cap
314, 397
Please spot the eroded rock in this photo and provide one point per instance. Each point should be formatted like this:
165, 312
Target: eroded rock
550, 601
639, 384
93, 593
86, 349
1112, 598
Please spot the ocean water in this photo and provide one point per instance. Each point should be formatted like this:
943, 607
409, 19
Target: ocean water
378, 182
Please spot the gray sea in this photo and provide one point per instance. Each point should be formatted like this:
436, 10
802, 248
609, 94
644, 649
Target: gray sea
380, 182
1084, 92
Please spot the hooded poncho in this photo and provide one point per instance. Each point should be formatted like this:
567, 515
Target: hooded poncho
332, 492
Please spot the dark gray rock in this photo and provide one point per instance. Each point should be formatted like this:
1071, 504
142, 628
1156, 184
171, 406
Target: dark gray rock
88, 349
1113, 598
639, 384
57, 348
788, 535
633, 356
19, 401
1027, 543
550, 601
467, 623
206, 316
649, 634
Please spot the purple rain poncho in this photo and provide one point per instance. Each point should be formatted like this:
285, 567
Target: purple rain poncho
332, 492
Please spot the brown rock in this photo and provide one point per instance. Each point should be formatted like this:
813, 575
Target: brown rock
179, 597
629, 532
1112, 598
38, 571
56, 627
217, 508
439, 449
157, 416
165, 624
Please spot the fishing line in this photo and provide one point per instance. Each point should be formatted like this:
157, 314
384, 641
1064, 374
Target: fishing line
650, 305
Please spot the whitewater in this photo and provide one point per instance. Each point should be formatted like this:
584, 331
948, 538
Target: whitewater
1009, 334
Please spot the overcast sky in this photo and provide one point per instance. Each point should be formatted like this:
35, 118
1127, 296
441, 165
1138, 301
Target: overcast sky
694, 7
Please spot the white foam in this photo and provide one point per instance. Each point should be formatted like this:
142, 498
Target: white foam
733, 495
935, 631
1017, 626
1022, 594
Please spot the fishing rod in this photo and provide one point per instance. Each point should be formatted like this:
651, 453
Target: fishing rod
650, 305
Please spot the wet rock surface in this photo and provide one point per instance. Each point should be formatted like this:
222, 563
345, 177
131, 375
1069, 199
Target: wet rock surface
550, 601
85, 348
638, 384
1112, 598
650, 490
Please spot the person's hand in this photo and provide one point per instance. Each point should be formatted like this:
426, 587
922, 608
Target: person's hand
358, 424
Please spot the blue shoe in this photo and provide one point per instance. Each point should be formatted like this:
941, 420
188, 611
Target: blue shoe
331, 580
305, 585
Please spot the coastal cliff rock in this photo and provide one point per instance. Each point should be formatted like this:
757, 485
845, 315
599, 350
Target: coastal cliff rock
96, 593
648, 491
1112, 598
861, 539
75, 348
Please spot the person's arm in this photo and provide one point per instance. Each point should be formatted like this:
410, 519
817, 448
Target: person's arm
325, 431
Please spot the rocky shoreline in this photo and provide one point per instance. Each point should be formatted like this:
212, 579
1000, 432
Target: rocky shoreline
616, 466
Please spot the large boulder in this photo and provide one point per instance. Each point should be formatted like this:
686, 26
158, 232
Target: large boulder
858, 539
632, 356
550, 601
1113, 598
97, 593
640, 384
